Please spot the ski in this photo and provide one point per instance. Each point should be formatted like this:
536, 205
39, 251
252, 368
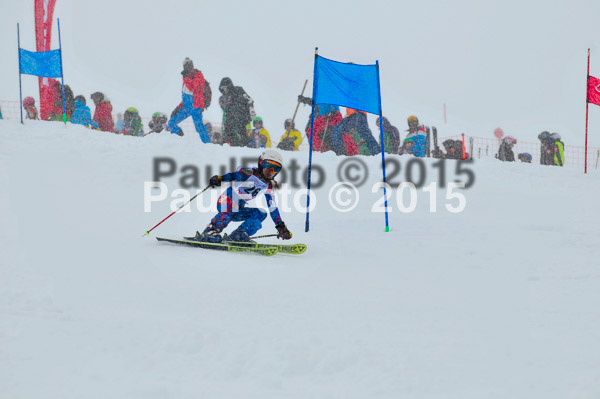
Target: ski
294, 249
267, 251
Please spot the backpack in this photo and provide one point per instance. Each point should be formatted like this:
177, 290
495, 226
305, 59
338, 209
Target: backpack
207, 93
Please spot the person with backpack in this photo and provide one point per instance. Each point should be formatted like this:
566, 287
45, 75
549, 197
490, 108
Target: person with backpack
82, 114
192, 101
238, 111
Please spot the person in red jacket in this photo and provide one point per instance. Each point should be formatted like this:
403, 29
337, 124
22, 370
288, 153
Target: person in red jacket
192, 96
103, 114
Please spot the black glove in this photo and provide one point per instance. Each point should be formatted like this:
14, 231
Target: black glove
215, 181
283, 231
305, 100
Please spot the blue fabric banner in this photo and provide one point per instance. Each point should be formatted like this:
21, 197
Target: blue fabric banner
349, 85
45, 63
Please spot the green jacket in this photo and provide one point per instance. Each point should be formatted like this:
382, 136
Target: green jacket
559, 153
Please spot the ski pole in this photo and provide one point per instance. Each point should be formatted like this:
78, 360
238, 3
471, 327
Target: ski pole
174, 212
265, 236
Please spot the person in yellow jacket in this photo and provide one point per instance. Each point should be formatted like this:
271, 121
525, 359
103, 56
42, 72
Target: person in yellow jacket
259, 136
291, 139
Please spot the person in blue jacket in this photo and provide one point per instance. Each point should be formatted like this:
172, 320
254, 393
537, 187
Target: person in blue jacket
247, 184
82, 114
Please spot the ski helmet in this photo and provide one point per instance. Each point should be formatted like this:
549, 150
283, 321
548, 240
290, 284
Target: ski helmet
257, 119
555, 136
288, 122
413, 121
543, 136
510, 140
270, 159
28, 101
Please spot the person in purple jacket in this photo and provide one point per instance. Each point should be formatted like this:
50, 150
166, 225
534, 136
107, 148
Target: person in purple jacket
247, 184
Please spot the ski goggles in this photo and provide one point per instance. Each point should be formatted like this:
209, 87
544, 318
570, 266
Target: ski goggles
274, 166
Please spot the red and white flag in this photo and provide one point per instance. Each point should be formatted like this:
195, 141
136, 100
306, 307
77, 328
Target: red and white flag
593, 90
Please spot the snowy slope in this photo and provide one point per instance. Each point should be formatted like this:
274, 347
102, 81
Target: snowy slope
498, 301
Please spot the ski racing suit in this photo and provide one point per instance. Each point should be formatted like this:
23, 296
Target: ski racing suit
247, 185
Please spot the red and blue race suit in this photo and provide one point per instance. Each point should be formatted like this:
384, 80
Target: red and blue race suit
247, 184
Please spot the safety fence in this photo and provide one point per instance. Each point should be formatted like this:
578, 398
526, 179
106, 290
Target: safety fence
483, 147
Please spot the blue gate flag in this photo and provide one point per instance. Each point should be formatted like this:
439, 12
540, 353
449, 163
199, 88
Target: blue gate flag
349, 85
44, 63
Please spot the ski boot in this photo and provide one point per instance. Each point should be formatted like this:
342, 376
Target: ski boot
210, 234
238, 235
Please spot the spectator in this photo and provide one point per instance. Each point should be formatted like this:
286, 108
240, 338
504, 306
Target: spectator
453, 149
420, 137
356, 126
505, 152
103, 113
260, 136
558, 149
56, 113
391, 136
525, 157
69, 101
31, 111
133, 123
291, 139
546, 149
120, 123
407, 147
215, 135
192, 101
238, 112
82, 114
327, 118
158, 123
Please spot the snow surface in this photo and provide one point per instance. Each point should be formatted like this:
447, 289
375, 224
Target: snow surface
498, 301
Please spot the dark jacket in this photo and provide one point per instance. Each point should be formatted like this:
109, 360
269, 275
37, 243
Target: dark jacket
391, 137
237, 103
358, 124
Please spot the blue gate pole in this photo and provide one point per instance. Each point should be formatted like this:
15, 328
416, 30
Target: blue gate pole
387, 225
20, 88
312, 134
